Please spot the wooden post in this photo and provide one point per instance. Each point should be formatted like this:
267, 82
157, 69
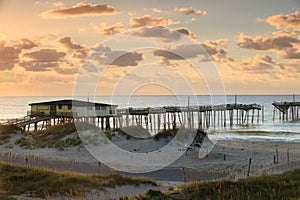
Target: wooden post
114, 123
199, 121
262, 114
158, 121
150, 119
277, 161
231, 118
146, 122
174, 121
102, 123
237, 117
154, 123
165, 121
179, 118
249, 167
214, 119
168, 121
193, 124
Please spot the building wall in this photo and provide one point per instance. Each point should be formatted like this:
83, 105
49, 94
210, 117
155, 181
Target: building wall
64, 110
92, 112
40, 109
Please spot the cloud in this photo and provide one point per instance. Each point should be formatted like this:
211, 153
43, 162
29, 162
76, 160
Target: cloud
202, 52
106, 56
147, 20
38, 66
215, 43
258, 64
69, 70
286, 46
293, 66
81, 9
166, 54
185, 51
189, 11
126, 58
291, 20
45, 55
188, 33
25, 43
156, 10
9, 55
69, 44
287, 33
162, 34
80, 54
42, 60
110, 30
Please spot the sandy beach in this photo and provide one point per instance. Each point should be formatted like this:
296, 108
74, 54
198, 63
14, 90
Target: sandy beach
227, 160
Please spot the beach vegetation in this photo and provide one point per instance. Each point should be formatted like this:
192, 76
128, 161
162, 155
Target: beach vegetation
6, 131
277, 186
53, 137
44, 183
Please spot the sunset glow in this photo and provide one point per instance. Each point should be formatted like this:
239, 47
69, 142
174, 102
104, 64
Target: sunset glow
254, 44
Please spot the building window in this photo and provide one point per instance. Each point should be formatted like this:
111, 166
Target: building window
60, 107
69, 107
100, 108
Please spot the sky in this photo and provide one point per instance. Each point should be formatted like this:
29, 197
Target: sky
143, 47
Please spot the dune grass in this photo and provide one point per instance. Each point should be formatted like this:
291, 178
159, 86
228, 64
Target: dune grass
18, 180
6, 131
52, 137
281, 186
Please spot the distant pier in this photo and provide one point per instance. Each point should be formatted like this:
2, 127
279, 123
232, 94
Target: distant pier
286, 110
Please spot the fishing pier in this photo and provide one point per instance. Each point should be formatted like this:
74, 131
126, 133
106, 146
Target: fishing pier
194, 117
286, 110
108, 117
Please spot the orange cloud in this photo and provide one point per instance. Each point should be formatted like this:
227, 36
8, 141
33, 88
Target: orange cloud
156, 10
45, 55
8, 56
291, 20
189, 11
110, 30
286, 46
81, 9
147, 20
258, 64
69, 44
106, 56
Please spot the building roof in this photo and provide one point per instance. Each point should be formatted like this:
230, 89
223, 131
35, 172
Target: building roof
70, 102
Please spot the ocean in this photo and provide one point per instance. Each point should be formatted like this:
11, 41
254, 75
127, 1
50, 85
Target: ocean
277, 130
